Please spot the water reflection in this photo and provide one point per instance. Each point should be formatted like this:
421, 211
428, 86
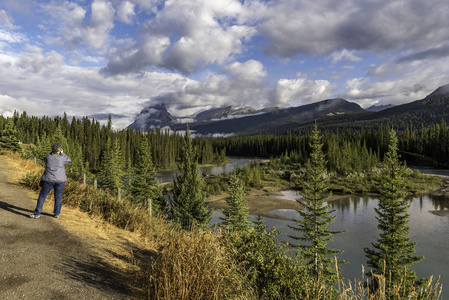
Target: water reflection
429, 228
169, 176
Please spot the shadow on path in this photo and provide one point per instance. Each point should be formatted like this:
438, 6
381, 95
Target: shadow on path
19, 210
98, 274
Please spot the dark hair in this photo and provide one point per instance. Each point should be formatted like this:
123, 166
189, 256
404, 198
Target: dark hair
56, 147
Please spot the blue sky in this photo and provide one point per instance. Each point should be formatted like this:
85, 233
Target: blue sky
117, 57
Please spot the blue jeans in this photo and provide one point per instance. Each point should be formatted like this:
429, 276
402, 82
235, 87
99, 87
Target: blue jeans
46, 188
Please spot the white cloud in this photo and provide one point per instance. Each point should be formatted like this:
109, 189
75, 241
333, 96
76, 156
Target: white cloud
101, 22
66, 24
41, 84
345, 55
191, 35
6, 20
125, 12
300, 91
35, 61
239, 84
11, 36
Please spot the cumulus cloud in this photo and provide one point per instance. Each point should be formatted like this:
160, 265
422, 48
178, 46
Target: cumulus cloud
35, 61
300, 91
67, 19
405, 82
67, 26
125, 12
189, 35
101, 22
41, 84
237, 84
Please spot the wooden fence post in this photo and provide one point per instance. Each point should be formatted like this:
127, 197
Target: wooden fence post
150, 209
95, 183
119, 196
84, 178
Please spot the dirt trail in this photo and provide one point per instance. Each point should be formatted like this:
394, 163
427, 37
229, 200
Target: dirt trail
39, 259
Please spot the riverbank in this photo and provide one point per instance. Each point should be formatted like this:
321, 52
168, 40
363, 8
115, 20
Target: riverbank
261, 201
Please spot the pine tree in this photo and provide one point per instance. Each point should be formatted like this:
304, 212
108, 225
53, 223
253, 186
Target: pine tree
8, 137
236, 217
316, 216
392, 254
111, 172
144, 186
188, 206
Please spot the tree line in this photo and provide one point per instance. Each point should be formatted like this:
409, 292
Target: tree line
86, 141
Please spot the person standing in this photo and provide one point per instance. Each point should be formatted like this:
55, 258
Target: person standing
54, 178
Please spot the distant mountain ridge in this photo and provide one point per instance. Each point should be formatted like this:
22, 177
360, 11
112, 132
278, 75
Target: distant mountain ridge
379, 107
442, 91
425, 112
331, 112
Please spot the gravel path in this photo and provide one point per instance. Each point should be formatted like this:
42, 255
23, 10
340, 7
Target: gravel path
41, 260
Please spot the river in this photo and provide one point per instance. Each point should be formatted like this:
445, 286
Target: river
429, 228
234, 161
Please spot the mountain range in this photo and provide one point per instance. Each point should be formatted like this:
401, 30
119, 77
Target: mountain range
330, 113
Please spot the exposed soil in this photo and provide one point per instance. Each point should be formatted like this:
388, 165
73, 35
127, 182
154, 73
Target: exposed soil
73, 257
259, 202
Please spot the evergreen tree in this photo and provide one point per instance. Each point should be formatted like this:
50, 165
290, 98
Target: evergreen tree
58, 137
144, 186
111, 172
392, 254
236, 217
8, 137
188, 206
316, 216
43, 147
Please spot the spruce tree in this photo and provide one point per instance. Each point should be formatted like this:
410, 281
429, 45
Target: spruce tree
236, 217
316, 216
112, 165
43, 147
188, 206
144, 186
392, 254
8, 137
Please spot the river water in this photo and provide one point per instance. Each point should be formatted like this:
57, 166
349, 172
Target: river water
169, 176
429, 228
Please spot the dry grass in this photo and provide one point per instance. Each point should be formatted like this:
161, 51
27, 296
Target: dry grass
195, 265
18, 165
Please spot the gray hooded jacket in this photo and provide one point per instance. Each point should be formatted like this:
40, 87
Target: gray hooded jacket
54, 167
